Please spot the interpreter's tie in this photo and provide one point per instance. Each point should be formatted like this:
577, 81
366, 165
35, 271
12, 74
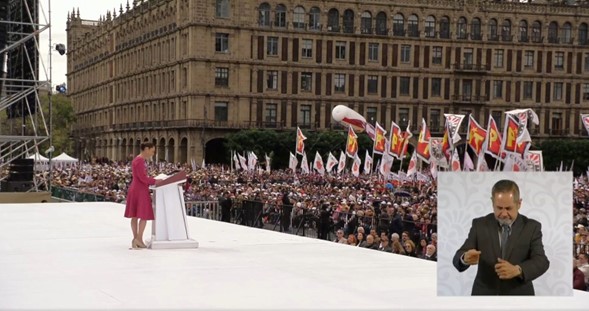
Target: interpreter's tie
504, 235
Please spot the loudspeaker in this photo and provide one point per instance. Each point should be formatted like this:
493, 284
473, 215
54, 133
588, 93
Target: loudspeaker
16, 186
21, 170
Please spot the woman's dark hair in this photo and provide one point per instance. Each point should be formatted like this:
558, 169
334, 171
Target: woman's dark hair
147, 145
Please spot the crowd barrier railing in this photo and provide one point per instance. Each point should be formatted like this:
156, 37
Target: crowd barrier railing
74, 195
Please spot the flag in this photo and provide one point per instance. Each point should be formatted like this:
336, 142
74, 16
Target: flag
455, 162
342, 162
300, 147
446, 147
522, 116
304, 164
522, 148
536, 159
243, 162
435, 147
379, 139
252, 159
493, 140
405, 142
293, 162
331, 162
585, 120
396, 141
476, 135
433, 169
318, 164
356, 165
468, 164
203, 163
422, 148
482, 163
510, 135
193, 164
236, 161
368, 162
385, 165
267, 163
412, 168
352, 143
453, 122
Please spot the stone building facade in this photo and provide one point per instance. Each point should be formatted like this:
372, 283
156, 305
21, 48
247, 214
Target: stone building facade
184, 74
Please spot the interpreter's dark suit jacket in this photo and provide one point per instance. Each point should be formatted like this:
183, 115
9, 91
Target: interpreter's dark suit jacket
524, 248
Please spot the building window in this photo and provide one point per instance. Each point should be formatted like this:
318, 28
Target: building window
305, 115
413, 26
499, 58
264, 15
558, 90
556, 122
371, 115
348, 21
529, 59
280, 16
373, 51
272, 46
272, 81
222, 8
492, 35
298, 21
372, 84
506, 31
314, 18
340, 82
270, 116
222, 76
398, 25
536, 32
333, 20
475, 29
523, 31
306, 81
528, 89
403, 117
497, 116
222, 42
436, 87
497, 89
586, 91
553, 32
430, 27
340, 50
307, 48
468, 59
434, 117
381, 23
583, 34
445, 28
566, 33
461, 28
559, 60
404, 86
366, 23
586, 66
405, 53
221, 111
437, 55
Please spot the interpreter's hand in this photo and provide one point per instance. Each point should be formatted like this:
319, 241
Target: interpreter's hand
471, 257
505, 270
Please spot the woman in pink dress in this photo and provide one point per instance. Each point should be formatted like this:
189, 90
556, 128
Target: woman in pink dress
138, 197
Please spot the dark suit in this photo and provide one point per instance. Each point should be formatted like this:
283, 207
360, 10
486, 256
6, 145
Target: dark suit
524, 248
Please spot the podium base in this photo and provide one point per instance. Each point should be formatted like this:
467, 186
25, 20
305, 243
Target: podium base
173, 244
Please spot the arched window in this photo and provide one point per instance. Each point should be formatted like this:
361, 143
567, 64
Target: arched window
381, 23
348, 21
280, 16
430, 27
445, 27
264, 14
553, 32
366, 23
413, 26
492, 35
506, 31
475, 29
583, 34
461, 28
523, 31
333, 20
398, 25
566, 33
536, 32
298, 20
315, 18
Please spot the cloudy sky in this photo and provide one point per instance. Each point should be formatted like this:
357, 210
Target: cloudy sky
90, 10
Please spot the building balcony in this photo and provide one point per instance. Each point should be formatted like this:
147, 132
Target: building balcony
472, 68
470, 99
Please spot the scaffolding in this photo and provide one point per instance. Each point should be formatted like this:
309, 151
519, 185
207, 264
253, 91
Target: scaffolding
26, 126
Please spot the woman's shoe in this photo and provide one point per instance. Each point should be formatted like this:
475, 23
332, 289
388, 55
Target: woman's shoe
140, 243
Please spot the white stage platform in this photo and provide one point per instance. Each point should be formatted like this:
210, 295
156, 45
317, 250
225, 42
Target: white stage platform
76, 256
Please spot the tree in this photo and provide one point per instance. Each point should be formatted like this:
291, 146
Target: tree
556, 150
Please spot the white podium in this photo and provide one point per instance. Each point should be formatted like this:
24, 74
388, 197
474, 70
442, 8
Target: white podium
169, 229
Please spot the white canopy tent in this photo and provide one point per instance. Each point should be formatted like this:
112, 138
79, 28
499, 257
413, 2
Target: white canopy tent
63, 160
38, 158
41, 162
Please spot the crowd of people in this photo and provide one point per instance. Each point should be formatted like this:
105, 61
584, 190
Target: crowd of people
359, 211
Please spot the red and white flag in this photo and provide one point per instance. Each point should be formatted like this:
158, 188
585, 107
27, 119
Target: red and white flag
422, 148
585, 120
356, 166
331, 162
300, 144
510, 134
367, 164
352, 143
493, 141
380, 139
433, 168
468, 164
243, 162
342, 162
536, 159
476, 135
305, 164
293, 162
522, 116
455, 162
412, 168
385, 165
453, 122
482, 163
318, 164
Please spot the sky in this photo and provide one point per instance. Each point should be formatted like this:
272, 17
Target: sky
89, 9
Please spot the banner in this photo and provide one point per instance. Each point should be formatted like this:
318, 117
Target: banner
493, 140
476, 135
300, 147
352, 143
379, 139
